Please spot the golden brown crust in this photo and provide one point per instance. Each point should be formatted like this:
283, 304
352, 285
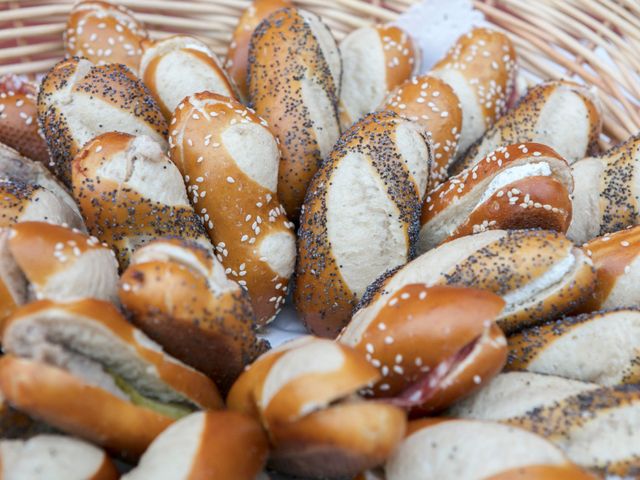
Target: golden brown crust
435, 106
544, 472
106, 471
238, 53
285, 56
19, 119
104, 33
239, 213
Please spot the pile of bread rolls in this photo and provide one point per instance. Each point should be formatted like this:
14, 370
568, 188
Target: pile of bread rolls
465, 260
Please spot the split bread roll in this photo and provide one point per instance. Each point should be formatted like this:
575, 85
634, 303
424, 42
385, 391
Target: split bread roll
439, 343
360, 217
179, 66
205, 445
432, 104
81, 367
31, 192
54, 457
605, 197
19, 118
481, 69
237, 60
375, 60
294, 83
474, 450
78, 101
599, 348
229, 160
564, 115
520, 186
615, 258
129, 193
305, 393
178, 294
39, 260
539, 274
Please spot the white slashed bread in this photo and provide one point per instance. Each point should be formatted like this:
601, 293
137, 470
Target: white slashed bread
605, 199
360, 217
563, 115
54, 457
294, 83
220, 445
229, 160
481, 68
130, 192
520, 186
78, 101
104, 33
539, 274
375, 60
179, 66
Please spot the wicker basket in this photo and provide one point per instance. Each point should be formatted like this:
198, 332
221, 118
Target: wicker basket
554, 38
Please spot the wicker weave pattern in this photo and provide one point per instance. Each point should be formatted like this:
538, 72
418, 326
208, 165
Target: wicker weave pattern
31, 37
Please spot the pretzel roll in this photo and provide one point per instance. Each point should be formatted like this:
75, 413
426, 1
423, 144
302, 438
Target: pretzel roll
228, 445
360, 217
539, 274
129, 193
19, 118
305, 394
434, 106
375, 60
237, 61
481, 69
563, 115
520, 186
599, 348
54, 457
438, 343
229, 160
104, 33
78, 101
294, 81
474, 450
88, 372
615, 258
203, 318
605, 199
179, 66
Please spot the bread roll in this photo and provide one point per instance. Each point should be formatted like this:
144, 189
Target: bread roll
375, 60
177, 293
39, 260
605, 197
129, 193
432, 346
519, 186
305, 394
539, 274
433, 104
19, 118
360, 217
220, 445
104, 33
599, 348
294, 82
229, 160
481, 69
19, 426
54, 457
563, 115
615, 258
238, 54
85, 370
78, 101
179, 66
